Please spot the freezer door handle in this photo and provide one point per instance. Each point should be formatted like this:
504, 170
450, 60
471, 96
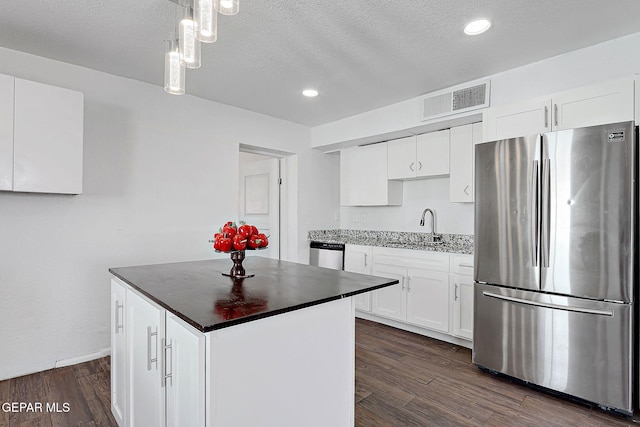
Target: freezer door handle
549, 305
546, 211
534, 213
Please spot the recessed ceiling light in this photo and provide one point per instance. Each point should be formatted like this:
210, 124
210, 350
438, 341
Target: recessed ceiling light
310, 93
477, 27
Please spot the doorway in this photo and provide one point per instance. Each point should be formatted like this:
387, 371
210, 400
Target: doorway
260, 197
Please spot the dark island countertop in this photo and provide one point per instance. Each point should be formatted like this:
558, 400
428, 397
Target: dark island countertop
198, 293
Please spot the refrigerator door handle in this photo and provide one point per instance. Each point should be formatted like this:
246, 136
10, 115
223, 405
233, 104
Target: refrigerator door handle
549, 305
534, 213
546, 211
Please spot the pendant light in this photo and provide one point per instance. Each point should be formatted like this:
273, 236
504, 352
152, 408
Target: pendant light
189, 45
174, 71
206, 19
227, 7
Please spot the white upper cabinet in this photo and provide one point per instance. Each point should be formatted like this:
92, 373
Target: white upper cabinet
401, 161
587, 106
6, 132
418, 157
363, 177
47, 138
462, 144
432, 153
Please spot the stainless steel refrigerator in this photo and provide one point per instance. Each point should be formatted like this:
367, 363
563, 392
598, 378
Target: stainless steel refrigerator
554, 261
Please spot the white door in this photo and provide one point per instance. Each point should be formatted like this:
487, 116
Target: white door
519, 119
145, 330
118, 353
599, 104
48, 138
391, 300
186, 385
357, 259
461, 166
463, 306
428, 299
260, 198
432, 153
401, 161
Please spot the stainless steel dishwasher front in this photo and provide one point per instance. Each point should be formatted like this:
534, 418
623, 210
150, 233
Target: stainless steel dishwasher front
328, 255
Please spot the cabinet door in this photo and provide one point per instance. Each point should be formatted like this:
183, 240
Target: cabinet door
357, 259
145, 330
428, 299
48, 136
463, 307
118, 353
390, 301
514, 120
433, 153
363, 177
185, 383
599, 104
401, 162
6, 132
461, 167
349, 177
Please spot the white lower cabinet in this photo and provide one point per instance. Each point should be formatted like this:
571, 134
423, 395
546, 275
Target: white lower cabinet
184, 351
434, 290
159, 365
422, 296
118, 353
357, 259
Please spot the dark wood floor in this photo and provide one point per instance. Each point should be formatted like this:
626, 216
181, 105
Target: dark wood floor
402, 379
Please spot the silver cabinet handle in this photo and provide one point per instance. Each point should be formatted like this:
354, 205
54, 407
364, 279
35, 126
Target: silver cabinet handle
548, 305
119, 324
465, 190
534, 213
465, 265
555, 114
365, 260
402, 282
419, 165
165, 366
411, 167
456, 293
408, 283
546, 117
151, 360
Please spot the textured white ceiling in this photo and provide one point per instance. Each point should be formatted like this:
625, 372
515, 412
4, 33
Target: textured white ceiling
360, 54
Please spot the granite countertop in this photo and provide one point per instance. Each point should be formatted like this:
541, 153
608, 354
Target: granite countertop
198, 293
451, 243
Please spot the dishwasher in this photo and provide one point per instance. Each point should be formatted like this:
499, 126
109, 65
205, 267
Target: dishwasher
328, 255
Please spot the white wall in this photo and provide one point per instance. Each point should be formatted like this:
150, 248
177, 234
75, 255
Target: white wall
606, 61
453, 218
160, 175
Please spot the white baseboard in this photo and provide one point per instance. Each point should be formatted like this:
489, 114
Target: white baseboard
82, 359
415, 329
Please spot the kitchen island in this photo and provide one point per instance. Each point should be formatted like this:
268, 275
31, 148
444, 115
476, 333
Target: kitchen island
192, 347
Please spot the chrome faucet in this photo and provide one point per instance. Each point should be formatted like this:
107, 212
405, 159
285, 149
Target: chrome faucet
434, 237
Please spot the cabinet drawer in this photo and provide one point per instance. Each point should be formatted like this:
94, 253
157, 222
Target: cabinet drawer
408, 258
462, 264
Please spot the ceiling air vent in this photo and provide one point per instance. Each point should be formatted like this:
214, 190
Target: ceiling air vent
455, 100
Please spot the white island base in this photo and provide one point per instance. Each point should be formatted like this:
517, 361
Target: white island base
293, 369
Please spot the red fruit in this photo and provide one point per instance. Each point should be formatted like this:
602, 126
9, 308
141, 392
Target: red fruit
264, 240
229, 230
244, 230
239, 243
225, 244
254, 230
254, 242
